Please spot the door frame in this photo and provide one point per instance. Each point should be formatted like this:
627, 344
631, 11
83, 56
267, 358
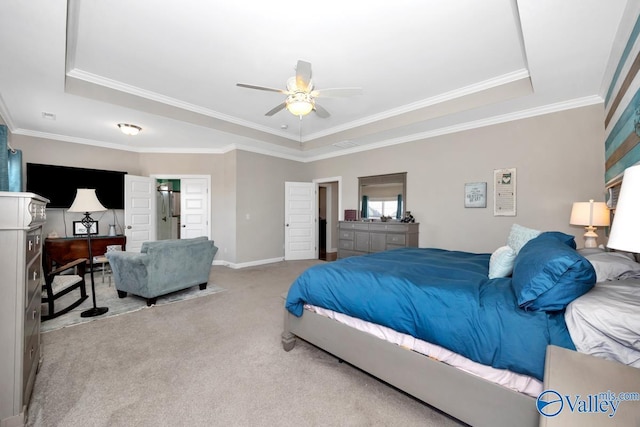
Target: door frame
331, 228
157, 176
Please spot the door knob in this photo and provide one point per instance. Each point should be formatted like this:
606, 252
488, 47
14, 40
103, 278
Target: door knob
128, 227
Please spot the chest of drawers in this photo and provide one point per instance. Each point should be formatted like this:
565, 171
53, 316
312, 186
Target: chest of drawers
359, 238
22, 216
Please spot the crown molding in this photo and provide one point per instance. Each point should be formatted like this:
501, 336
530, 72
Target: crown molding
300, 156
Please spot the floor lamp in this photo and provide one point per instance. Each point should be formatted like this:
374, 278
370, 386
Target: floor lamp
86, 202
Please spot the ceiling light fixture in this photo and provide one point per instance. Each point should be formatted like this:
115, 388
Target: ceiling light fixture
300, 103
129, 129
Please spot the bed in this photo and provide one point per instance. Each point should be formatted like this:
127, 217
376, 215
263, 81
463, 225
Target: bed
496, 313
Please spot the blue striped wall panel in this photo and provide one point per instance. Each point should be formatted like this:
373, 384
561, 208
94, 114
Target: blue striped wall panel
622, 147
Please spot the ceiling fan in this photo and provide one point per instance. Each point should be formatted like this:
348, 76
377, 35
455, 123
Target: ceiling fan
301, 95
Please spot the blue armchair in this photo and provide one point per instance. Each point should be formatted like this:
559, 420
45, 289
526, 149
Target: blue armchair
162, 267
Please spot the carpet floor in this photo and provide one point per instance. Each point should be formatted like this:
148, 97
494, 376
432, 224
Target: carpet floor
216, 360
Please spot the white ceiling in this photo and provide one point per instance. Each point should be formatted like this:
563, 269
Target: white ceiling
425, 68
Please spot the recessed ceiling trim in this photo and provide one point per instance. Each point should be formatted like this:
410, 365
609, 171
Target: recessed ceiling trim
300, 157
518, 115
95, 79
434, 100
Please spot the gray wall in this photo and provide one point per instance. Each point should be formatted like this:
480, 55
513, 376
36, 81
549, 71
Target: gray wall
260, 204
559, 159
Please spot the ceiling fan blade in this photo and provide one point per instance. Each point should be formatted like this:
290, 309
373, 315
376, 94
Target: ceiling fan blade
303, 75
337, 92
276, 109
321, 112
270, 89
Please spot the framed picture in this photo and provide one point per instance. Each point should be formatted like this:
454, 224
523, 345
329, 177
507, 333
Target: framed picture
504, 192
475, 195
80, 230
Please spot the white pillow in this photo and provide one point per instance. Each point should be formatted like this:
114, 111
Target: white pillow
519, 236
610, 265
501, 262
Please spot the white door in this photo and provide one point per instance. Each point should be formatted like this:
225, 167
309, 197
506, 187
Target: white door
139, 211
300, 221
194, 209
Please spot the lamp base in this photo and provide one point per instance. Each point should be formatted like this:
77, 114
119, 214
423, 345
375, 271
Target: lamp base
590, 237
95, 311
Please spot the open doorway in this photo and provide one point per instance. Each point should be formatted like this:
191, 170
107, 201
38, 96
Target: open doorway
183, 203
328, 213
167, 209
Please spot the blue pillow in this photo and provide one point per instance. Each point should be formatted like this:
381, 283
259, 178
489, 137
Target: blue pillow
548, 274
567, 239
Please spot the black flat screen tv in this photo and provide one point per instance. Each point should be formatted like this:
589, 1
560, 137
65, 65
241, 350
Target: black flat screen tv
59, 184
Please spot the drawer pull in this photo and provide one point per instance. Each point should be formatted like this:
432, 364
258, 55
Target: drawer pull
30, 245
35, 275
31, 353
37, 240
34, 314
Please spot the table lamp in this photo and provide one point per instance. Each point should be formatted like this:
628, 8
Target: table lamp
590, 214
625, 230
86, 202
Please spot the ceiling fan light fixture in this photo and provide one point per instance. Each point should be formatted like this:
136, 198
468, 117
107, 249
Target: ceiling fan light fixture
129, 129
300, 103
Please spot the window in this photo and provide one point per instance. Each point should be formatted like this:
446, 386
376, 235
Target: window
378, 208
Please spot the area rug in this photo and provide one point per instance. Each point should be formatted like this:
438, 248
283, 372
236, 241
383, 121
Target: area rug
107, 296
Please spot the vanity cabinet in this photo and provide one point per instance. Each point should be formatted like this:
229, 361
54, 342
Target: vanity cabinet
359, 238
22, 216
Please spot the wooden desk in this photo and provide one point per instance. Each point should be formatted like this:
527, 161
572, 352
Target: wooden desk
62, 250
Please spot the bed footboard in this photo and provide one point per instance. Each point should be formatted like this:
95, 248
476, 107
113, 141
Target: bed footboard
467, 397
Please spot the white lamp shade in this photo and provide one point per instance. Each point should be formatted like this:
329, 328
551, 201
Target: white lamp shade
590, 214
625, 230
86, 201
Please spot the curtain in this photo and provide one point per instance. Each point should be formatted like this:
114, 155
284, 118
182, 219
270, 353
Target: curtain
10, 164
15, 170
399, 209
365, 207
4, 159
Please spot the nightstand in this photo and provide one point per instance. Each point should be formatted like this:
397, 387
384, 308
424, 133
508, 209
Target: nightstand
585, 384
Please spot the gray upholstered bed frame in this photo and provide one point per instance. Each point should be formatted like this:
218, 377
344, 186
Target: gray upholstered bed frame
464, 396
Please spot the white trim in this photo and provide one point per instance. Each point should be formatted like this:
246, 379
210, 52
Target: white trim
518, 115
434, 100
247, 264
85, 76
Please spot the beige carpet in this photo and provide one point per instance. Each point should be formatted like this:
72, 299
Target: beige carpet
210, 361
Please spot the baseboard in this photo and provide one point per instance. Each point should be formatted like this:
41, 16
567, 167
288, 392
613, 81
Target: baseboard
247, 264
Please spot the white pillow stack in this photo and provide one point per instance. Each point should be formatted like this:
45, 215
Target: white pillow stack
502, 260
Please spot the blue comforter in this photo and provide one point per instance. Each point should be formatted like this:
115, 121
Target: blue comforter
443, 297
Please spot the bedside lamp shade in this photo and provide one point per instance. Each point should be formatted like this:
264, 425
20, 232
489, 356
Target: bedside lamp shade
86, 201
625, 230
590, 214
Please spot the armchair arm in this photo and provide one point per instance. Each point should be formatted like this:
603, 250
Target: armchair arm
130, 271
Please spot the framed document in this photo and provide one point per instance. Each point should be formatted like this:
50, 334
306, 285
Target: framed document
80, 230
475, 195
504, 192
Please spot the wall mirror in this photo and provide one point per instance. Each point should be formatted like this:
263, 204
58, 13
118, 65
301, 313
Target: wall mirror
382, 195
